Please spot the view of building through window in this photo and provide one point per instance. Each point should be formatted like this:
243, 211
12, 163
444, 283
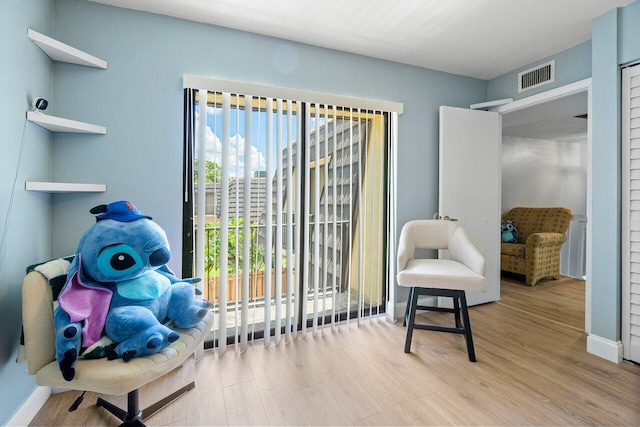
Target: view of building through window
295, 202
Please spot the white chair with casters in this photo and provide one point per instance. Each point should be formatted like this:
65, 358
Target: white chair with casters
439, 277
111, 377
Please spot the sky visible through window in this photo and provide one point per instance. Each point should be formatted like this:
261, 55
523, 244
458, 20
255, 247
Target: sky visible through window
237, 159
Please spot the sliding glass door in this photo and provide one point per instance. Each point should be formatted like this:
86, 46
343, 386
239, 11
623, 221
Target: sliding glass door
289, 202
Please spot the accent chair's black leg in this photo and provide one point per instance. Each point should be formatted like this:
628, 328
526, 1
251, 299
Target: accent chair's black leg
413, 302
408, 309
467, 327
456, 312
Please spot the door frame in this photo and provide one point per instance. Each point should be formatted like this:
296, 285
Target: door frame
550, 95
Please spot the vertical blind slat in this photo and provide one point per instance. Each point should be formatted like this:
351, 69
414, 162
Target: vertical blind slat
325, 222
391, 224
371, 191
247, 268
316, 218
236, 233
350, 210
224, 219
334, 204
200, 203
361, 143
289, 234
298, 219
278, 251
307, 186
381, 202
255, 237
268, 246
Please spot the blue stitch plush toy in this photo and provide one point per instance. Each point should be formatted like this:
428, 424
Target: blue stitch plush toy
119, 285
509, 232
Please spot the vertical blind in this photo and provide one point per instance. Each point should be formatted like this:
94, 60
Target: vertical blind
296, 229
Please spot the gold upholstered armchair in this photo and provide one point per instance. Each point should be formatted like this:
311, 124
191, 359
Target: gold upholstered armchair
541, 234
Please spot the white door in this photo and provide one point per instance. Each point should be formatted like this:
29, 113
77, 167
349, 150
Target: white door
470, 184
631, 213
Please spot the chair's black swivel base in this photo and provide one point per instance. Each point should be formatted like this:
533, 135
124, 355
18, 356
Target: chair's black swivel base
133, 416
459, 308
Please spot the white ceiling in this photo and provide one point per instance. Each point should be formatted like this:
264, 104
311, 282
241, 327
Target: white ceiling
476, 38
555, 120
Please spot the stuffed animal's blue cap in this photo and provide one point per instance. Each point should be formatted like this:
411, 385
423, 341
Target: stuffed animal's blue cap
121, 211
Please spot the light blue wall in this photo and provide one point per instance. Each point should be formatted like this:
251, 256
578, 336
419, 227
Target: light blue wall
140, 100
616, 41
629, 48
605, 218
25, 72
572, 65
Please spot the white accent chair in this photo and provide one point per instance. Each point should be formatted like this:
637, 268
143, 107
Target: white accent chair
439, 277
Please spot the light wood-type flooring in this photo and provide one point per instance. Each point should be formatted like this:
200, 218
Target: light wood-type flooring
532, 369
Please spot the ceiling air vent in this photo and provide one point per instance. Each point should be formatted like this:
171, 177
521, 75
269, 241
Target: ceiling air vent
537, 76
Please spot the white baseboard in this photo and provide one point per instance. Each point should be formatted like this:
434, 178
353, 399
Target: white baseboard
607, 349
30, 407
400, 308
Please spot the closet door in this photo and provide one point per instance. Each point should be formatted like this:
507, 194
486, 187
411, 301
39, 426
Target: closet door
631, 213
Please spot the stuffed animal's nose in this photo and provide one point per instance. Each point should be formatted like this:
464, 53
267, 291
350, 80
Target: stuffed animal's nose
159, 257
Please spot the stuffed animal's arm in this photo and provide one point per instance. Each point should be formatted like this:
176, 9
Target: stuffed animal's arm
166, 271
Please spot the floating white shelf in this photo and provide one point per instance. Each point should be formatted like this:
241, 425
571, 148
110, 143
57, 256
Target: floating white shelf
64, 187
58, 124
61, 52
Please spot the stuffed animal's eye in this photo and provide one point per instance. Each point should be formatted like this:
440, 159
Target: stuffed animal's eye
122, 261
119, 260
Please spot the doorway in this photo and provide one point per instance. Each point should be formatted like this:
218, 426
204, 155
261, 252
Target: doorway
547, 145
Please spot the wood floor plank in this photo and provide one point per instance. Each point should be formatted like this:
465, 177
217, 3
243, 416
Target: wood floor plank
321, 407
559, 300
408, 413
243, 404
206, 400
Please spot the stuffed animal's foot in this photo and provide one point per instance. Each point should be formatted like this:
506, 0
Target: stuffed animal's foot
185, 309
156, 342
67, 364
148, 341
67, 352
68, 337
193, 314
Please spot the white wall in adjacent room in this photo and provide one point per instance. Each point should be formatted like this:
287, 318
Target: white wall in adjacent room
544, 173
